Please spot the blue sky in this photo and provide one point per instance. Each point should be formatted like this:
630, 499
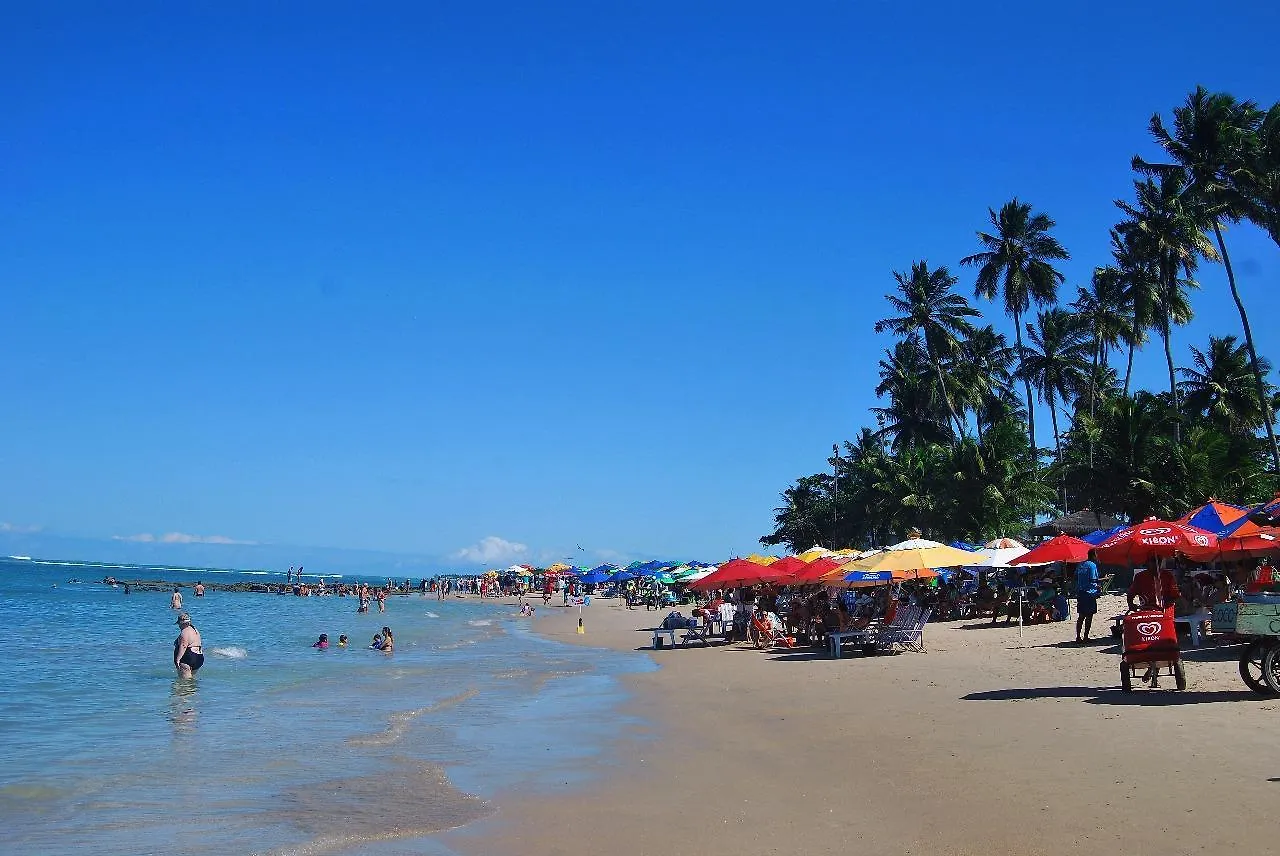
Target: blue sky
411, 276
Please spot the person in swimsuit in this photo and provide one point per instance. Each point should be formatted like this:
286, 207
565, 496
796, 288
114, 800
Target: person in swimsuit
175, 602
188, 654
388, 641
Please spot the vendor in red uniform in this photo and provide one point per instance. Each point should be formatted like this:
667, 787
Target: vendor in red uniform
1142, 591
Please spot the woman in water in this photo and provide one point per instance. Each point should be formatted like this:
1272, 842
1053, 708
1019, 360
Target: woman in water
388, 642
188, 654
322, 643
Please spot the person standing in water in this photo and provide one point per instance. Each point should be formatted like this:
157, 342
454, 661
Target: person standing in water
175, 602
188, 653
199, 589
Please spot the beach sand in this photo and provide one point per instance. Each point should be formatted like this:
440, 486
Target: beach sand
985, 744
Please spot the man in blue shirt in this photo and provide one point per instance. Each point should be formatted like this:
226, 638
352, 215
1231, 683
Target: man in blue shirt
1086, 595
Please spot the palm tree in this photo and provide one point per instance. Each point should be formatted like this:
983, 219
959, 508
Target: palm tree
1056, 364
1139, 287
1219, 386
1016, 262
1171, 234
984, 373
1213, 147
915, 415
1102, 308
1261, 182
930, 309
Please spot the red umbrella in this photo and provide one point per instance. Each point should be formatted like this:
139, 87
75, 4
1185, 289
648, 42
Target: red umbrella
786, 569
1134, 545
815, 570
1265, 542
737, 572
1064, 548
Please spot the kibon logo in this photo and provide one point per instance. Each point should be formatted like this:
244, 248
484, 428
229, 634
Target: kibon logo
1155, 530
1148, 628
1200, 540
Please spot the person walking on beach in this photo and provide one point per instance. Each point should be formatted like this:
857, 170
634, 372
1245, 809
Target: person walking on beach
188, 654
175, 602
1086, 595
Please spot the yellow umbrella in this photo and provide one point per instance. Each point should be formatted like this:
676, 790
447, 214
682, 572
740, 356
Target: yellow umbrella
762, 560
814, 553
919, 557
558, 567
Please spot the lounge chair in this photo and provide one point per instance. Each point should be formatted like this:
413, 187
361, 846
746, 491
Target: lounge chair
909, 636
905, 617
766, 631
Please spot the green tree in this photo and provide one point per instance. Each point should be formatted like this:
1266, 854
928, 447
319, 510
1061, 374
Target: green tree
1016, 263
1105, 313
1170, 233
929, 308
1213, 145
1219, 387
984, 375
1056, 365
915, 414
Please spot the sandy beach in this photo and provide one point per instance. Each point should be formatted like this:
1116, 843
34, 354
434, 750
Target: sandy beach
987, 743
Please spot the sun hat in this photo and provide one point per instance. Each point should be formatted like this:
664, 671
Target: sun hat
183, 618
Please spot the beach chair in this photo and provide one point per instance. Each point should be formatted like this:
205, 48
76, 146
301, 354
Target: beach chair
697, 633
866, 637
766, 631
909, 636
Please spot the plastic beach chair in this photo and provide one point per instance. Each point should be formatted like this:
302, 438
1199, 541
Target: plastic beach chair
909, 636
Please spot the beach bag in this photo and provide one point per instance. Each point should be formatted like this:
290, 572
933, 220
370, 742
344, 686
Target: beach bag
673, 621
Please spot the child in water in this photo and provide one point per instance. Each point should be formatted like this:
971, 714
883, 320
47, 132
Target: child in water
322, 643
377, 642
342, 641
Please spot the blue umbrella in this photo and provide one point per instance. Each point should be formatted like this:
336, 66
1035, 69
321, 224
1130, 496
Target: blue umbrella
596, 576
964, 545
1101, 535
872, 577
622, 576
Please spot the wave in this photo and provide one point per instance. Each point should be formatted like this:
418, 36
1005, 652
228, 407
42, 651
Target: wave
398, 723
21, 558
231, 652
480, 622
430, 615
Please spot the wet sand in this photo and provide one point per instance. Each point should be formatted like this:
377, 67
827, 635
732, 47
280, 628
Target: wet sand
985, 744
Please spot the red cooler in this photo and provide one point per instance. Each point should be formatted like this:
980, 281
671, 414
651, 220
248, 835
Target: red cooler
1149, 631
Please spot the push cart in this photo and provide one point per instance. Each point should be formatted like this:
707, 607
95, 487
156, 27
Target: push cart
1149, 639
1259, 625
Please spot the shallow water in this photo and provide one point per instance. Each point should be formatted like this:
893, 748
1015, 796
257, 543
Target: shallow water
275, 747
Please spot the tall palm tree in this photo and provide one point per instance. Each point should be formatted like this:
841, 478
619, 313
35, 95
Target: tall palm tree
1260, 184
1171, 233
984, 373
1139, 287
1102, 307
1016, 262
1056, 364
1213, 146
929, 308
915, 415
1219, 386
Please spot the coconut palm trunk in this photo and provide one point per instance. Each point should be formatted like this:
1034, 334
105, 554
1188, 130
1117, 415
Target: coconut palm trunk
1133, 343
1057, 443
1173, 380
942, 388
1253, 354
1026, 382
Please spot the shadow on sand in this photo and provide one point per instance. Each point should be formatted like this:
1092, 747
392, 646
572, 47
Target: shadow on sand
1115, 696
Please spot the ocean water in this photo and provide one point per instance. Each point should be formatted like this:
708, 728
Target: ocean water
275, 747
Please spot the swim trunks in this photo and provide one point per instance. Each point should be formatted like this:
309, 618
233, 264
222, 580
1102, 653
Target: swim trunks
1087, 604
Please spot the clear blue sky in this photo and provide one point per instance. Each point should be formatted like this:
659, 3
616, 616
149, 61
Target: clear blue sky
407, 276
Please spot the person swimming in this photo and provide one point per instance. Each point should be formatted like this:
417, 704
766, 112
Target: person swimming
188, 654
342, 641
322, 643
376, 644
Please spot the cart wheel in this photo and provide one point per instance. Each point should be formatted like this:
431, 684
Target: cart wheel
1126, 678
1251, 668
1179, 675
1271, 668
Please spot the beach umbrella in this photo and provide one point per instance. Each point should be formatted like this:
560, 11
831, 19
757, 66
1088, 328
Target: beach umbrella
1258, 519
1214, 516
1100, 535
756, 558
594, 577
814, 552
1264, 543
861, 579
1064, 548
787, 568
1002, 557
1005, 544
737, 572
817, 569
917, 554
1134, 545
558, 567
965, 545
